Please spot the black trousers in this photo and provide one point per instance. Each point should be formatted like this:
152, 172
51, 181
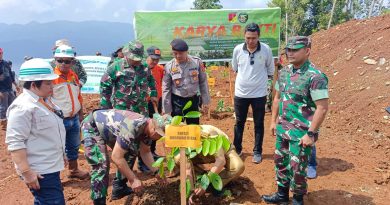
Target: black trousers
241, 106
178, 104
151, 112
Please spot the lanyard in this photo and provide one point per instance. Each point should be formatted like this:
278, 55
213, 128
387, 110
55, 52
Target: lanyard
50, 107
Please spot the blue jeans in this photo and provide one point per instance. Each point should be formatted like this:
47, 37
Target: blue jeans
313, 157
50, 192
72, 142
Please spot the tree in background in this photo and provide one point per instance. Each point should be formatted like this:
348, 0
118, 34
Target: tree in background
305, 17
207, 4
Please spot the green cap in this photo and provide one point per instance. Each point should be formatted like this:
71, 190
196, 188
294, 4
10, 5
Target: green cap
298, 42
134, 50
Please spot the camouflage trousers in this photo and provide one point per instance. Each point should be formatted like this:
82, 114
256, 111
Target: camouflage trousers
269, 94
96, 154
291, 161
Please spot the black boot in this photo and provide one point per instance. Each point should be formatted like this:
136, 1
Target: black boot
100, 201
297, 199
120, 189
280, 197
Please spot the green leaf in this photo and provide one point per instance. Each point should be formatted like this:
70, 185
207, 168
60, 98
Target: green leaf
204, 181
216, 181
188, 151
176, 120
171, 164
198, 150
225, 144
219, 142
188, 188
161, 170
158, 162
213, 147
193, 114
227, 193
205, 147
192, 155
176, 151
188, 105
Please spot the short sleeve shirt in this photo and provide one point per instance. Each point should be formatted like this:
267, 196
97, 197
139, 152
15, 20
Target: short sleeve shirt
299, 89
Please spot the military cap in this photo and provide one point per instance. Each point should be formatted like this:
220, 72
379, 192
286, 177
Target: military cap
134, 50
179, 45
298, 42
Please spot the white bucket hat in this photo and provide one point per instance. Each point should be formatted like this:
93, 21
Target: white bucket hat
61, 42
36, 69
64, 51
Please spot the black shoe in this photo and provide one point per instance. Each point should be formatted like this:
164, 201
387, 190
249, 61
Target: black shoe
280, 197
120, 189
100, 201
297, 199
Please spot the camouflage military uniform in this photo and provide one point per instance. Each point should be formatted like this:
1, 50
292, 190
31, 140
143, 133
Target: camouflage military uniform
107, 127
125, 87
269, 94
299, 89
78, 68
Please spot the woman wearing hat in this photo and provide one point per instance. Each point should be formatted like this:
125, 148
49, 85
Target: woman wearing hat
36, 134
129, 135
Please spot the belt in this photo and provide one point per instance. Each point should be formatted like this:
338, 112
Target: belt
185, 98
69, 118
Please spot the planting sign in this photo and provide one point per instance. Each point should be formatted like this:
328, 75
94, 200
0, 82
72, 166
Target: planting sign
210, 34
182, 136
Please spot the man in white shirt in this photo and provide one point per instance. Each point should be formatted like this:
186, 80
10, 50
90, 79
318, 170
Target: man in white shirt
253, 63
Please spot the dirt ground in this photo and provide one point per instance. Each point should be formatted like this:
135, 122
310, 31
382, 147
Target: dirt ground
353, 149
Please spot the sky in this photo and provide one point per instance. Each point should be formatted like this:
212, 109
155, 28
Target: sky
22, 11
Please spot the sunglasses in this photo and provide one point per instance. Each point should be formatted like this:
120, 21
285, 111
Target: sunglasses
60, 61
252, 56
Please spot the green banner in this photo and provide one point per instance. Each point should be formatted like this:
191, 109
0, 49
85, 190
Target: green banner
211, 34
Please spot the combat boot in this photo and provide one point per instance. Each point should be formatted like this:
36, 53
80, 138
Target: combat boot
120, 189
100, 201
297, 199
280, 197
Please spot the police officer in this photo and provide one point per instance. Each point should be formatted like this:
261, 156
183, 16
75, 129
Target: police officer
184, 79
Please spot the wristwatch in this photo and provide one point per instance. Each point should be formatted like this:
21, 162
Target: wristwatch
313, 135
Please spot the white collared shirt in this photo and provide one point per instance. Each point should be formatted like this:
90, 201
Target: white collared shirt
251, 80
41, 132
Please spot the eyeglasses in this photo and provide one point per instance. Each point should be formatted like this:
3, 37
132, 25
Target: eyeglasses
60, 61
252, 56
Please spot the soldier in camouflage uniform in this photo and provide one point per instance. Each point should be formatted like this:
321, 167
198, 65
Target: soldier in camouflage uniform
76, 65
129, 135
127, 83
299, 108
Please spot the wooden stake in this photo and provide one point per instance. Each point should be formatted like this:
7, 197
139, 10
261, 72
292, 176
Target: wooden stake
183, 176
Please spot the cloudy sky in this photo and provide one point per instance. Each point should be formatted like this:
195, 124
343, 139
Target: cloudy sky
22, 11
